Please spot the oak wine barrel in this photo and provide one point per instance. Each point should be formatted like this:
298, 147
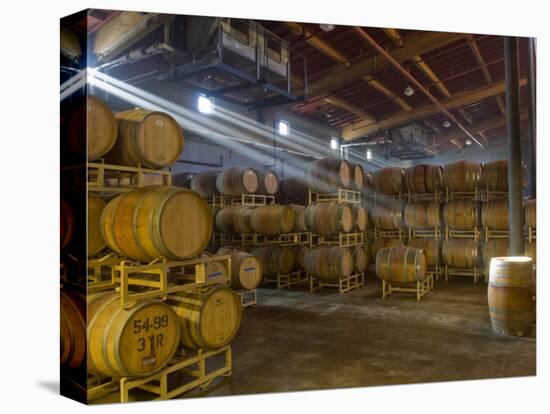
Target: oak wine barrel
360, 259
272, 219
300, 212
328, 174
389, 180
147, 138
95, 239
72, 332
387, 216
358, 177
510, 293
204, 183
360, 217
66, 223
246, 270
462, 176
423, 215
329, 218
423, 178
329, 262
300, 252
237, 181
133, 342
531, 213
461, 253
293, 189
157, 221
494, 248
376, 245
461, 214
92, 128
401, 264
214, 269
431, 247
494, 214
209, 318
275, 259
234, 219
495, 174
268, 182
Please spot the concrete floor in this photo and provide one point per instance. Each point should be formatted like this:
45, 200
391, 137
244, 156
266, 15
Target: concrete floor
296, 341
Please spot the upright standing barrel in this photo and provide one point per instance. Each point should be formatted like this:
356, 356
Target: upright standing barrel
209, 318
268, 182
133, 342
431, 247
423, 215
423, 178
329, 218
237, 181
275, 259
461, 253
401, 264
389, 180
462, 176
72, 331
461, 214
92, 128
495, 175
510, 293
147, 138
156, 221
531, 213
494, 214
329, 262
272, 219
95, 239
327, 175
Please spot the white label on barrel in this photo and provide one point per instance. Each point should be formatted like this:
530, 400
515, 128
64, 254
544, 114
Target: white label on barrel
159, 123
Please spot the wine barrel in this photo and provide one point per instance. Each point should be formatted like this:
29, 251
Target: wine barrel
531, 213
381, 243
293, 189
494, 248
204, 183
531, 250
156, 221
66, 223
401, 264
95, 239
494, 214
423, 178
510, 292
72, 332
389, 180
431, 247
461, 214
368, 185
246, 270
133, 342
495, 175
358, 177
329, 262
92, 128
387, 216
360, 259
300, 252
360, 217
461, 253
214, 269
237, 181
183, 179
329, 219
234, 219
268, 182
272, 219
327, 175
275, 259
209, 318
147, 138
423, 215
462, 176
300, 212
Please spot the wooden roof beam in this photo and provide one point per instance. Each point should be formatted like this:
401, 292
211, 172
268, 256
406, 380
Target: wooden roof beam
330, 51
349, 108
387, 92
394, 35
364, 128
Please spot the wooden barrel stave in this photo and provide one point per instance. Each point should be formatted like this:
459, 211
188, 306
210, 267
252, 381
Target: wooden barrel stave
73, 329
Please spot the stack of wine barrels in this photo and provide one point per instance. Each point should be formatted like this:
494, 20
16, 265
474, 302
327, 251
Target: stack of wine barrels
329, 262
431, 247
275, 260
494, 214
462, 214
388, 181
423, 215
462, 176
234, 220
401, 264
387, 215
424, 178
237, 181
328, 175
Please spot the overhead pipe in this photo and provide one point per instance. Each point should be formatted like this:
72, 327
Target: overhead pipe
532, 93
515, 184
411, 78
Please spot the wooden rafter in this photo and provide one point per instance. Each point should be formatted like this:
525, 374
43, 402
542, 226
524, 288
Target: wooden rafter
388, 92
349, 108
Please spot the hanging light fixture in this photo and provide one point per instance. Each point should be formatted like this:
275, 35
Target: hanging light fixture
326, 27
